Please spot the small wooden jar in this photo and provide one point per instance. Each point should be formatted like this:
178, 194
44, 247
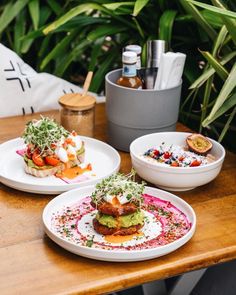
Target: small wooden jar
78, 113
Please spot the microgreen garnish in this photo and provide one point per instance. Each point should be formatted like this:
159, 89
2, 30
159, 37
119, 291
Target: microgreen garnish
43, 133
89, 242
119, 184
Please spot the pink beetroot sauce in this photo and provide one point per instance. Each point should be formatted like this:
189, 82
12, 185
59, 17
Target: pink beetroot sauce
174, 224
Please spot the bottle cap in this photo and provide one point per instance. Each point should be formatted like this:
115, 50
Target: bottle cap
134, 48
129, 57
155, 48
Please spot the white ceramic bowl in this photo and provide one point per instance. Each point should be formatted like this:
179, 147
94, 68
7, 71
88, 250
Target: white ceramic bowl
173, 178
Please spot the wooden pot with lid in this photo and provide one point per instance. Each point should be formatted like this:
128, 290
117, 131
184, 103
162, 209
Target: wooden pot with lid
77, 113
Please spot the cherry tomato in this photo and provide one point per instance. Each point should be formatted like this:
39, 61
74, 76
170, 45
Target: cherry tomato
53, 146
195, 163
156, 153
68, 140
167, 155
37, 159
52, 160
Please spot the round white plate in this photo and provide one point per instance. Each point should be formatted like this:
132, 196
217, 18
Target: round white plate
59, 234
105, 161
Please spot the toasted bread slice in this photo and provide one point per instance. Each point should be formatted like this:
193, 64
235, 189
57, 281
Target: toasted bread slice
49, 171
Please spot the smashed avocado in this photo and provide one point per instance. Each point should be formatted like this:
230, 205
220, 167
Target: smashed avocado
121, 221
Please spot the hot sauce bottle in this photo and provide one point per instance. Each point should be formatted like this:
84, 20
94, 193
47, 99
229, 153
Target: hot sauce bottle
129, 76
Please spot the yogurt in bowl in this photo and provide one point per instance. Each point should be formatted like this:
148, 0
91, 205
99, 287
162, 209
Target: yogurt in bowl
166, 170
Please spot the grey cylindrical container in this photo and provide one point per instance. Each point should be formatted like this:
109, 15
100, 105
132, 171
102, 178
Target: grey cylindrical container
132, 113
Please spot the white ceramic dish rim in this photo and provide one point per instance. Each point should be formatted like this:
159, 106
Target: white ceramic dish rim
17, 184
176, 169
186, 237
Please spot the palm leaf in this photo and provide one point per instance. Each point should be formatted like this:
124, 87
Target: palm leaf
230, 23
227, 125
206, 75
166, 25
228, 104
64, 64
138, 6
220, 70
191, 9
217, 10
10, 12
59, 49
105, 30
34, 12
227, 88
115, 5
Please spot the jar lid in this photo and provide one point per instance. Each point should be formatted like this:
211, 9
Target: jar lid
77, 102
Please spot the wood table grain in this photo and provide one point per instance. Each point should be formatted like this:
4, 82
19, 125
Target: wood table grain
32, 264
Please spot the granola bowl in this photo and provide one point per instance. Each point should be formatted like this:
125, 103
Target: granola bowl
170, 177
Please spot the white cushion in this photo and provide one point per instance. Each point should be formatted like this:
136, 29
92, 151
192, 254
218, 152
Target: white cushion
23, 90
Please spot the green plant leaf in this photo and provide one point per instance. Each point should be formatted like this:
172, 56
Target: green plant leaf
64, 64
105, 30
207, 94
98, 78
166, 25
71, 14
227, 105
96, 51
139, 5
192, 10
139, 28
227, 88
226, 127
219, 41
59, 49
115, 5
19, 30
212, 8
10, 12
57, 9
82, 9
220, 70
230, 23
45, 13
206, 75
213, 19
34, 12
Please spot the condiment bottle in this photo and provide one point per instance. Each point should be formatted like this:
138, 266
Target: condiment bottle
155, 48
129, 76
78, 113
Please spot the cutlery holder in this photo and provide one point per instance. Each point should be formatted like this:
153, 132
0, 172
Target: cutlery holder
132, 113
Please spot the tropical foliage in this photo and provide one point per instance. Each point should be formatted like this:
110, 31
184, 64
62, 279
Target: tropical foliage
71, 37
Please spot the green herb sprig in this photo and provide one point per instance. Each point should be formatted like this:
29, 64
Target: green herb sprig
119, 184
43, 133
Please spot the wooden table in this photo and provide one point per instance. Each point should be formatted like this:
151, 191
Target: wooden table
32, 264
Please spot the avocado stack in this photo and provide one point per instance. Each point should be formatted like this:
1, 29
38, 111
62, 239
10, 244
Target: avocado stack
118, 200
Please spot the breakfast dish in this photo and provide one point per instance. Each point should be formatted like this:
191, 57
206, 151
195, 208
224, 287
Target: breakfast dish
50, 148
118, 201
104, 160
163, 223
181, 156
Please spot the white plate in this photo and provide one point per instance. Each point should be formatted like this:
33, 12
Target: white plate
105, 161
75, 242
